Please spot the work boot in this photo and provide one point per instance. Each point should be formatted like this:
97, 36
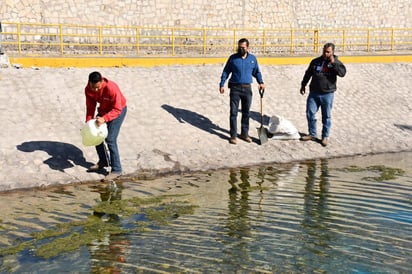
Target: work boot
246, 138
308, 138
97, 167
233, 140
324, 141
112, 176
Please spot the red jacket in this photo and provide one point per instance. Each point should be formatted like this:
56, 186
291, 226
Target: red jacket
111, 101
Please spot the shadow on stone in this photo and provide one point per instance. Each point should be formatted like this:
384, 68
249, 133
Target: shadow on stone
254, 115
197, 120
404, 127
63, 155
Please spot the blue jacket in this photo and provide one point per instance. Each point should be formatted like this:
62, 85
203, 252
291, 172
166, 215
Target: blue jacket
241, 69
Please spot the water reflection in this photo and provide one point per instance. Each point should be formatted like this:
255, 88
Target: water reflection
238, 224
238, 221
109, 253
310, 217
315, 201
316, 234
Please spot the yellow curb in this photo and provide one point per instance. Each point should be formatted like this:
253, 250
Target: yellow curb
85, 62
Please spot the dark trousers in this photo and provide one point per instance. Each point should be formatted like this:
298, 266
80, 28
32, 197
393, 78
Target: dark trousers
244, 96
113, 128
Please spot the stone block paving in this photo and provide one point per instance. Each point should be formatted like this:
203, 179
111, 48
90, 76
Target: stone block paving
178, 122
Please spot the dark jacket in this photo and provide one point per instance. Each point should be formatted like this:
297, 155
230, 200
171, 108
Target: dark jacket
323, 74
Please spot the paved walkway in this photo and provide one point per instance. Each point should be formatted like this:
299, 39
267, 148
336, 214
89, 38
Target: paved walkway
178, 121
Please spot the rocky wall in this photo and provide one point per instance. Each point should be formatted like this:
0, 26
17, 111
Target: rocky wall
213, 13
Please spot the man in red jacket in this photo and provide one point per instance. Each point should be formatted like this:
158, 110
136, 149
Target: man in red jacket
111, 109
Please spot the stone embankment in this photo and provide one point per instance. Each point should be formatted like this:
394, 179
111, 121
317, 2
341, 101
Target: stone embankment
177, 121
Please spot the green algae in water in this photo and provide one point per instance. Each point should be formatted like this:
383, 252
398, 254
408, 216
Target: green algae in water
71, 236
16, 248
165, 212
385, 173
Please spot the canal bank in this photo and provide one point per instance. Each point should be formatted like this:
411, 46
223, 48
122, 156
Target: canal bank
178, 122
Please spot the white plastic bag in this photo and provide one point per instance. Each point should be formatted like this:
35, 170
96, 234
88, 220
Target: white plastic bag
283, 129
92, 135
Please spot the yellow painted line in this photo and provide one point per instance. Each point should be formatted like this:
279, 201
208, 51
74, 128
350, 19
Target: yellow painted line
377, 59
345, 59
110, 61
165, 61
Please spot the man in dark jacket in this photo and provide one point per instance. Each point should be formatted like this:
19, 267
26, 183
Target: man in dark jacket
323, 71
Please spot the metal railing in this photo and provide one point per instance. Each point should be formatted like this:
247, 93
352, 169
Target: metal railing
64, 39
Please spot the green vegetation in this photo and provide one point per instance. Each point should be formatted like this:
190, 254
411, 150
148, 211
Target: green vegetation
384, 173
73, 235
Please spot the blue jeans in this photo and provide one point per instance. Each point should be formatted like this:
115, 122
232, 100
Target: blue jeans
325, 102
113, 128
243, 95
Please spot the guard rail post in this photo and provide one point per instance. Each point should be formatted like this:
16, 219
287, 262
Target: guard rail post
1, 48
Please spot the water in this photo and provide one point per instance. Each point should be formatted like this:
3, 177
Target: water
351, 215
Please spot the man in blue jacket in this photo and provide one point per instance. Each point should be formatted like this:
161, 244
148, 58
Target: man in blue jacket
242, 66
324, 71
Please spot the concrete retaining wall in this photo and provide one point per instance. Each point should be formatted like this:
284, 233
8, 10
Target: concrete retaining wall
213, 13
